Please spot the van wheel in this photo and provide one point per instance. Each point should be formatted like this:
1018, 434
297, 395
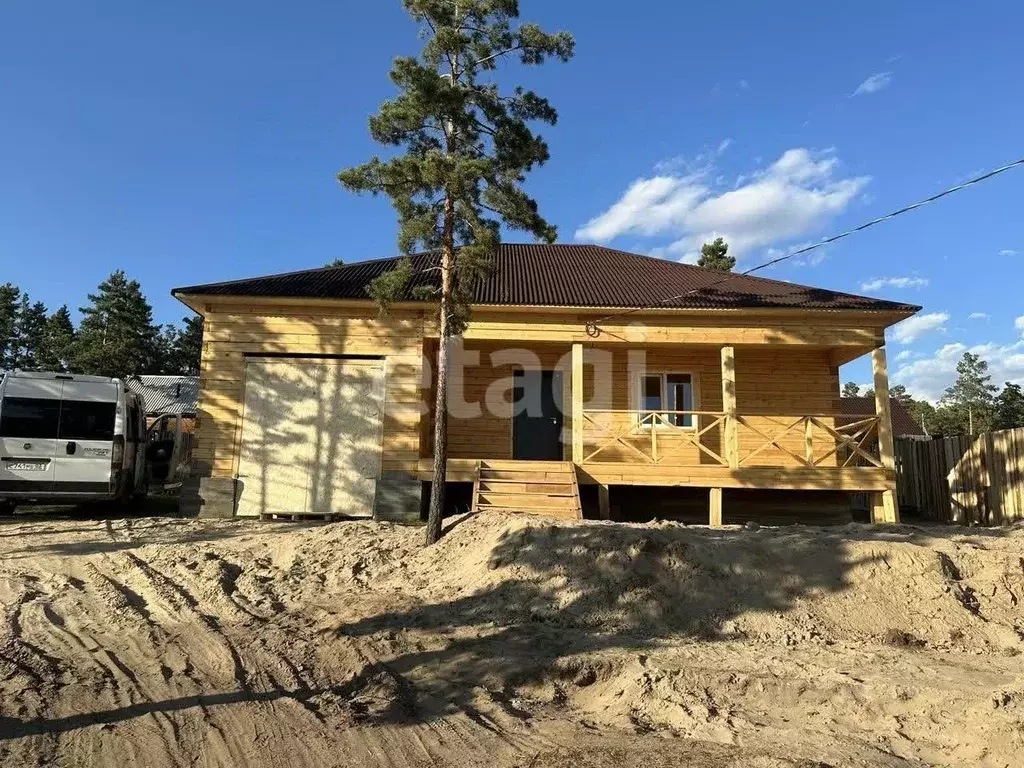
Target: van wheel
7, 508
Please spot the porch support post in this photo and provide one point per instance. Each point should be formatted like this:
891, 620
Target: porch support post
731, 432
604, 502
715, 504
887, 511
577, 404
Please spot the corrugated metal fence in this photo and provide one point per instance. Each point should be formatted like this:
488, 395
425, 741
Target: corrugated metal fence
963, 480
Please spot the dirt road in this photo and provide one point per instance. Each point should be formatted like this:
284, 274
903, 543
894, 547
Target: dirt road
515, 642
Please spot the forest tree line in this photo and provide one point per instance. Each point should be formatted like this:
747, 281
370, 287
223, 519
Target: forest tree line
971, 406
116, 336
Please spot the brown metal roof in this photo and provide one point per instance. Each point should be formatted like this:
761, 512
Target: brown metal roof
903, 424
527, 274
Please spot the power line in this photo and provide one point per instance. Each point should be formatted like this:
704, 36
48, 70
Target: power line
594, 330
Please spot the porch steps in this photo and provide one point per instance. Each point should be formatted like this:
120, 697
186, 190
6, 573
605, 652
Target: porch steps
533, 487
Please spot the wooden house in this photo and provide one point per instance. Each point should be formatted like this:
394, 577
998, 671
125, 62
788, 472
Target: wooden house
584, 372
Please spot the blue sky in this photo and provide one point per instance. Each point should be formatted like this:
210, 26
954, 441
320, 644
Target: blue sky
197, 141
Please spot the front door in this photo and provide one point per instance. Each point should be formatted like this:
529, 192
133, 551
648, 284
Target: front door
537, 416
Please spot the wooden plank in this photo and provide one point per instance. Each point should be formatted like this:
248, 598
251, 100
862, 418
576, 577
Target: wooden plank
577, 403
731, 430
809, 442
604, 502
715, 506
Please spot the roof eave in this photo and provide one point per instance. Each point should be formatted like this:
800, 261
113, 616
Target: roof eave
200, 303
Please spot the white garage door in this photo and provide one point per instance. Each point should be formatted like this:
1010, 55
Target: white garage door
311, 436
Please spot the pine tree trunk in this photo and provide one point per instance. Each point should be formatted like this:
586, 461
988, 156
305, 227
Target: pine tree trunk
438, 483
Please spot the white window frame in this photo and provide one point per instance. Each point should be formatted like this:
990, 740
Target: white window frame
638, 398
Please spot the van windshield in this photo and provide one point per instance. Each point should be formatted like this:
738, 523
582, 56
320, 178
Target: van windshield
87, 420
29, 417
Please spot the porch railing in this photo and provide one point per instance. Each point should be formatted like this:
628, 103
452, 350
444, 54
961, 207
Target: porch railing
654, 437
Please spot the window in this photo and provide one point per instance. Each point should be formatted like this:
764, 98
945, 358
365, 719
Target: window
29, 417
668, 392
87, 420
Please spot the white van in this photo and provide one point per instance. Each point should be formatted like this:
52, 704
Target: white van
69, 438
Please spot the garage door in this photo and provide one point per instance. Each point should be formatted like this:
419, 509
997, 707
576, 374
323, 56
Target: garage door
311, 436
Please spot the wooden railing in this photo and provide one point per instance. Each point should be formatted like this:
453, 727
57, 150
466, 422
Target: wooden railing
653, 437
625, 429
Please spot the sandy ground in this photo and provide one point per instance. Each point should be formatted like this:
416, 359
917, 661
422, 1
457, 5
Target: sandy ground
515, 642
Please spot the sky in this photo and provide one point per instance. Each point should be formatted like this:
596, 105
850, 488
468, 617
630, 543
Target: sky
190, 142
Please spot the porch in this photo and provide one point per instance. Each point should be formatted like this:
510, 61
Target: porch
717, 418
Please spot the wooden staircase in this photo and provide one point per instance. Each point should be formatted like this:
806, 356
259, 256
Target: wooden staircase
534, 487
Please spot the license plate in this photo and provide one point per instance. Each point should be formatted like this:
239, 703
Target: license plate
26, 466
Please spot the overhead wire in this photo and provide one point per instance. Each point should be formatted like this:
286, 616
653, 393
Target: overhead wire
593, 326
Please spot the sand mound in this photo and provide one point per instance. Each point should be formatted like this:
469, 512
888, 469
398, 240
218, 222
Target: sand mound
515, 641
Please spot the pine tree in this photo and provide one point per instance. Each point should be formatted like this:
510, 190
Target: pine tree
1009, 407
30, 334
972, 396
58, 342
189, 351
467, 149
10, 303
116, 336
900, 394
716, 256
181, 348
335, 263
850, 389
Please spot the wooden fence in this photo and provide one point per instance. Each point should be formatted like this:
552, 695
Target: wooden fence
977, 479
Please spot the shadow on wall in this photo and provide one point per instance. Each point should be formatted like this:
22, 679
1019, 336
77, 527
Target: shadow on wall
310, 436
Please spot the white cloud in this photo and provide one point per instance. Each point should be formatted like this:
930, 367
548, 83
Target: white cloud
894, 282
915, 327
929, 377
873, 84
744, 85
906, 354
793, 197
977, 316
1019, 325
1007, 252
724, 145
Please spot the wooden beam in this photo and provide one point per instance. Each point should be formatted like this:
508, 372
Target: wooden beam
731, 431
715, 503
697, 476
604, 502
809, 442
577, 403
886, 451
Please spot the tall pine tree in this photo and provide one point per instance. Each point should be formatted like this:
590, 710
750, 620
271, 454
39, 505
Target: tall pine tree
467, 149
850, 389
30, 334
1009, 408
10, 303
188, 352
716, 256
971, 399
58, 342
116, 336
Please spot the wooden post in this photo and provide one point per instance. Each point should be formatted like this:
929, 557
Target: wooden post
604, 502
888, 508
730, 437
715, 503
577, 403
